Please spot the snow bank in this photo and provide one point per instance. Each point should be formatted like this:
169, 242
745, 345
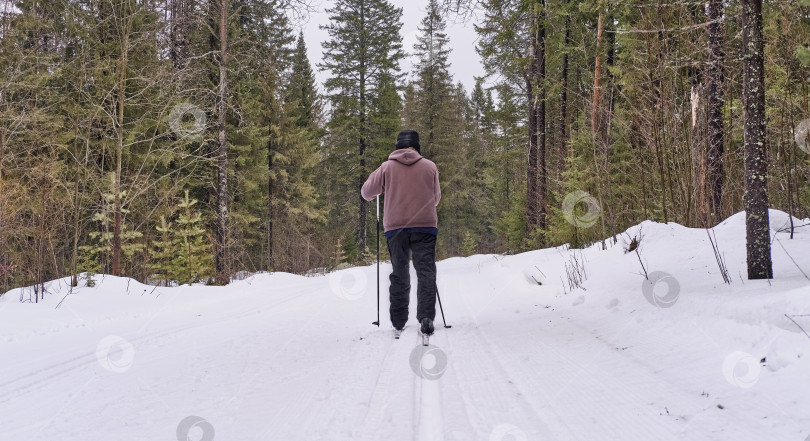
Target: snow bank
652, 344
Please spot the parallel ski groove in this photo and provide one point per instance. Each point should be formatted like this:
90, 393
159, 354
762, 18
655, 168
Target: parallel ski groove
378, 401
601, 390
455, 408
489, 388
56, 371
427, 406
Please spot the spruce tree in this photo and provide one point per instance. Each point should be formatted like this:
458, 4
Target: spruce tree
512, 47
182, 253
223, 53
264, 46
364, 48
437, 111
481, 139
193, 258
302, 90
163, 253
433, 82
32, 143
385, 121
294, 143
103, 239
505, 176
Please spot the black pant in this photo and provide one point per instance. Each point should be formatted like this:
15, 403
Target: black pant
423, 247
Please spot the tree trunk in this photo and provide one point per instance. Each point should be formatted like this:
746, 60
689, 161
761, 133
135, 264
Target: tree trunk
758, 245
536, 204
562, 134
119, 149
76, 216
657, 120
362, 207
222, 157
2, 141
598, 126
40, 271
540, 74
531, 166
597, 73
271, 263
715, 111
362, 238
4, 271
606, 117
178, 31
698, 152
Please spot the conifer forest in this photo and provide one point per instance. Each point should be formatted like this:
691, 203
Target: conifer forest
185, 141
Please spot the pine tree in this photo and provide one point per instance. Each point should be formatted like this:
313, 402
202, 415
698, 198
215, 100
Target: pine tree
438, 110
124, 34
484, 156
33, 171
537, 194
714, 79
364, 47
262, 129
757, 227
293, 154
562, 122
89, 157
512, 46
222, 12
504, 173
249, 52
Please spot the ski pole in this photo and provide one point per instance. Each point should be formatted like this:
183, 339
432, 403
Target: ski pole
378, 263
441, 309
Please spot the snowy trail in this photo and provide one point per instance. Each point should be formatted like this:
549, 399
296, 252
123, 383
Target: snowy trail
427, 397
32, 378
283, 357
487, 389
384, 409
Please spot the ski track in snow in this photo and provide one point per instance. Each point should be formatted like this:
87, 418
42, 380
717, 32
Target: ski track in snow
32, 379
281, 357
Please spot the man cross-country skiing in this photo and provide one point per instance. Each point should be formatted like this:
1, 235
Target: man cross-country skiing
411, 186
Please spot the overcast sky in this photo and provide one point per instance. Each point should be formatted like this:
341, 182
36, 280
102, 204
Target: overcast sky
465, 64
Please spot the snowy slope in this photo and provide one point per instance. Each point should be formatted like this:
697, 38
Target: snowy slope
284, 357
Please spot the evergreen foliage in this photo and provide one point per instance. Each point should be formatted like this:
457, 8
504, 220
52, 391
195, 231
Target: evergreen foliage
182, 253
362, 57
145, 140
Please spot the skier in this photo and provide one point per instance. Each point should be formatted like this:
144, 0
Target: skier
411, 186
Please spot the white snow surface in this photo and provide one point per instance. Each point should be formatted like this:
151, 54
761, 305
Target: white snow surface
285, 357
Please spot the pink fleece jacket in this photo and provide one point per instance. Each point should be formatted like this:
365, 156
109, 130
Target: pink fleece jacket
411, 186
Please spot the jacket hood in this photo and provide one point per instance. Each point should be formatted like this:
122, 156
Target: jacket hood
405, 156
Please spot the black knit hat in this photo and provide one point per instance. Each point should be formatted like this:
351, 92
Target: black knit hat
408, 138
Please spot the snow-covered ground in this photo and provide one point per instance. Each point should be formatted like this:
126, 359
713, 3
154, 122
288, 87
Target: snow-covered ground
284, 357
